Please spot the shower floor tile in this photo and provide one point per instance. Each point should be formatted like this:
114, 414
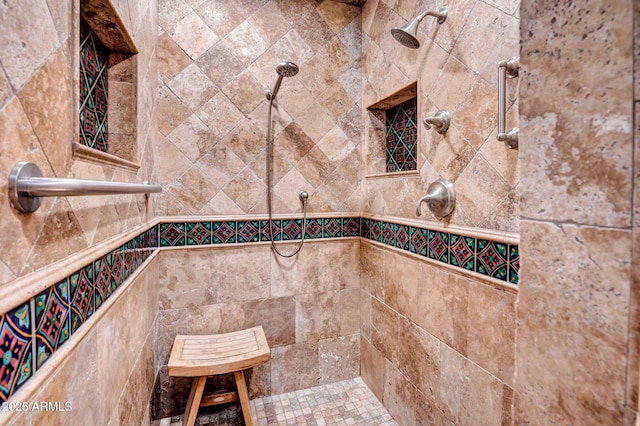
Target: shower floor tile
349, 402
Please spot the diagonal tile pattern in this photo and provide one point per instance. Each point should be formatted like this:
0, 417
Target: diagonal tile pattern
216, 60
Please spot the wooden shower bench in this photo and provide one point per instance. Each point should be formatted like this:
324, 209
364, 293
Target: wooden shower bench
201, 356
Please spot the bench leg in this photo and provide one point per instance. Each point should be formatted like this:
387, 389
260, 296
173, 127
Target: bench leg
244, 397
197, 387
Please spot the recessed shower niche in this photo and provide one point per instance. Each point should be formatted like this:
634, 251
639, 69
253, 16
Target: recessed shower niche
392, 136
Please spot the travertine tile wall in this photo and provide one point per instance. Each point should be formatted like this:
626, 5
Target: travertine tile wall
36, 123
216, 59
307, 305
38, 71
456, 70
438, 347
577, 339
105, 374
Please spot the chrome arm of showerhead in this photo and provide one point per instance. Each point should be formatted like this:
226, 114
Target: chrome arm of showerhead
441, 14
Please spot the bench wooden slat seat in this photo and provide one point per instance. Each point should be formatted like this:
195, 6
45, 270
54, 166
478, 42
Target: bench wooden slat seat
201, 356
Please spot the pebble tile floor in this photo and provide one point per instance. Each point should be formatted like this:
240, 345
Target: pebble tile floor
349, 402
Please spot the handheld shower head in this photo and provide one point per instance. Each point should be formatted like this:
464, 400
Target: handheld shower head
284, 69
287, 69
408, 35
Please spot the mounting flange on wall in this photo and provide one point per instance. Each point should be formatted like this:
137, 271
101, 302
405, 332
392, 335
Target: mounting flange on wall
441, 198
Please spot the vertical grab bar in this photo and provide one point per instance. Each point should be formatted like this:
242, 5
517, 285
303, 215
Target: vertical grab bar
506, 69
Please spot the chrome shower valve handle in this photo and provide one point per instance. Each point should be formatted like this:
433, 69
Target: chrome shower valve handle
441, 198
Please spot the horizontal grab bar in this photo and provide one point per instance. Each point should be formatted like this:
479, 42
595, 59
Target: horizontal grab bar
26, 186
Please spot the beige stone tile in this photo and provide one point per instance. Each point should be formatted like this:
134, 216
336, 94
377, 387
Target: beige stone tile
280, 119
270, 23
60, 235
293, 95
214, 319
193, 138
372, 271
504, 160
277, 317
475, 115
314, 121
45, 99
246, 43
169, 323
486, 29
591, 282
372, 368
193, 35
115, 335
339, 358
384, 330
402, 280
245, 189
75, 382
336, 145
193, 189
6, 91
23, 54
221, 17
221, 204
19, 143
443, 307
171, 162
181, 276
317, 316
419, 358
338, 15
221, 164
220, 64
336, 100
459, 79
406, 403
315, 167
365, 314
192, 87
170, 12
220, 115
476, 395
326, 66
295, 12
171, 111
293, 143
294, 367
492, 330
314, 31
247, 141
292, 47
238, 281
289, 188
244, 91
506, 216
479, 189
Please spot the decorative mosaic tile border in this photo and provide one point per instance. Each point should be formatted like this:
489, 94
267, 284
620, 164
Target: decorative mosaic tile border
491, 258
181, 234
31, 332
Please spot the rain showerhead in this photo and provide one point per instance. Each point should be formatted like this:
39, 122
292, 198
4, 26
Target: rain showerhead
408, 35
284, 69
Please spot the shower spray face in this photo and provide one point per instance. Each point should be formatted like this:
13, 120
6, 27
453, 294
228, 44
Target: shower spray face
284, 69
